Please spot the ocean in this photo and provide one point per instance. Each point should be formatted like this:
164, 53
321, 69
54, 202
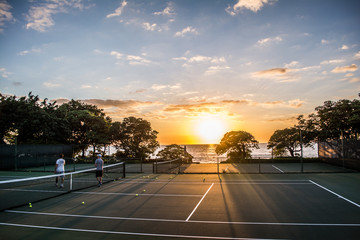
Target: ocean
205, 153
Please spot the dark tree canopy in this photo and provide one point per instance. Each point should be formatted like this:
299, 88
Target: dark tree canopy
173, 152
135, 138
237, 145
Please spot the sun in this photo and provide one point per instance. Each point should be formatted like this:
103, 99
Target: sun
211, 130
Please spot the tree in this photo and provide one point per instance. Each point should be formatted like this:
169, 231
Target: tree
335, 119
30, 120
287, 139
133, 137
175, 151
237, 145
88, 125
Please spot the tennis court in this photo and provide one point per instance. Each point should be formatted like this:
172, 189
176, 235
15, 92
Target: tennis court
197, 206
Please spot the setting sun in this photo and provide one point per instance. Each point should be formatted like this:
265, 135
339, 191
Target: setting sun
211, 130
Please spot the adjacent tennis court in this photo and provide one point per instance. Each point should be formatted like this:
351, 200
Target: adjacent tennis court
196, 206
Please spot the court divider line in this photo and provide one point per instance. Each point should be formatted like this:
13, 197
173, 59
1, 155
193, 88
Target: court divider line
184, 221
199, 202
124, 233
338, 195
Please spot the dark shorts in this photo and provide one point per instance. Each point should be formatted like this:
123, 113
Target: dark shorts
99, 173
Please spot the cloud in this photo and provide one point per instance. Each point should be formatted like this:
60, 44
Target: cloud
168, 11
51, 85
354, 80
351, 68
151, 27
252, 5
5, 14
130, 59
357, 55
344, 47
216, 69
118, 11
277, 74
40, 17
186, 31
333, 61
267, 41
4, 73
201, 59
158, 87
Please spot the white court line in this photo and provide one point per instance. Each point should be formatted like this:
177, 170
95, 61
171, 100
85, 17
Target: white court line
190, 221
277, 168
124, 233
338, 195
141, 194
199, 203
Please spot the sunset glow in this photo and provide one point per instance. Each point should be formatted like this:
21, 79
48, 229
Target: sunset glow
211, 130
194, 69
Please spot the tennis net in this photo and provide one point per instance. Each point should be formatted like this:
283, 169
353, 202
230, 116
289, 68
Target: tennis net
171, 166
18, 192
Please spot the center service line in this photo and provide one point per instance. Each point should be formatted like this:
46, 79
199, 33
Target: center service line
199, 202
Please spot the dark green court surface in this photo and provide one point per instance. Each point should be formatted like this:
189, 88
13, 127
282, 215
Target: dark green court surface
197, 206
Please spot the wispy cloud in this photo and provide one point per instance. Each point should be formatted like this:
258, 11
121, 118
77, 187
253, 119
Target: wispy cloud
268, 41
158, 87
5, 14
118, 11
40, 18
4, 73
168, 11
333, 61
151, 27
344, 47
51, 85
357, 55
351, 68
130, 59
186, 31
252, 5
280, 74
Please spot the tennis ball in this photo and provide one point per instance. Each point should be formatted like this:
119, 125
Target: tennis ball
83, 202
29, 203
137, 194
30, 206
144, 190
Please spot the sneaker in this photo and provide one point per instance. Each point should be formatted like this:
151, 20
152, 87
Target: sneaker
62, 185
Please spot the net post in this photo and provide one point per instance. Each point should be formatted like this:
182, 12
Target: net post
71, 181
123, 170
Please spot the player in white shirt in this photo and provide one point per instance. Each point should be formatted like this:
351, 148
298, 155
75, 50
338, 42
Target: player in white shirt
60, 169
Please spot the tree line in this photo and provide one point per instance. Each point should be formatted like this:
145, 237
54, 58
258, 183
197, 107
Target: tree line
28, 120
331, 121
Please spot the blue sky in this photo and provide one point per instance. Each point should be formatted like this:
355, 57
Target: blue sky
251, 65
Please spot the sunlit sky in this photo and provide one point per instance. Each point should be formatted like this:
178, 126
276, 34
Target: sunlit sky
194, 69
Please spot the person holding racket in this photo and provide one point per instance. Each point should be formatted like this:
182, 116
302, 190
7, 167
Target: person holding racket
99, 163
60, 169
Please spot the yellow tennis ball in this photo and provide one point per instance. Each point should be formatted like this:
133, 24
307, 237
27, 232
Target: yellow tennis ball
144, 190
83, 202
137, 194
